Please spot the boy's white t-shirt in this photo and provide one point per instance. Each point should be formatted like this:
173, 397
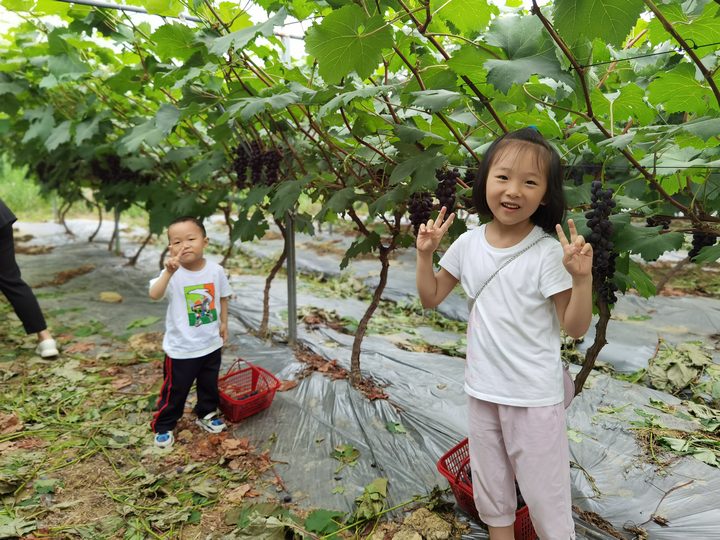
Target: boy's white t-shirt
513, 335
192, 320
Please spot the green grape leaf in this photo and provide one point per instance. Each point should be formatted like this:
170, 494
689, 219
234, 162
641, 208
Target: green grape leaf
625, 104
88, 128
67, 66
421, 167
348, 40
18, 5
700, 29
60, 135
679, 91
238, 40
166, 118
324, 521
410, 135
43, 123
630, 275
248, 228
10, 88
365, 244
529, 50
340, 201
708, 254
251, 106
146, 132
673, 159
609, 20
702, 127
174, 41
344, 98
468, 16
469, 61
164, 7
644, 241
435, 100
286, 196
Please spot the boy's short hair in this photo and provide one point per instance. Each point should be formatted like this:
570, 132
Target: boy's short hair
195, 220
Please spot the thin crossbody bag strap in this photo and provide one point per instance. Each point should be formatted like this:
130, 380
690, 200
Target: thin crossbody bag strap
503, 265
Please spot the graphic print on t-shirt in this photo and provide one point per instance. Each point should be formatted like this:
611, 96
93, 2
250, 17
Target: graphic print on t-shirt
200, 302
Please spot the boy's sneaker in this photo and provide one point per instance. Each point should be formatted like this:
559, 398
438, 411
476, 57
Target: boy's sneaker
47, 348
211, 422
164, 440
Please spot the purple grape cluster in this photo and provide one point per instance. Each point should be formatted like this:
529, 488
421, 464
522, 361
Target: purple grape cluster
256, 163
699, 241
240, 165
445, 191
659, 221
604, 256
471, 172
271, 161
419, 207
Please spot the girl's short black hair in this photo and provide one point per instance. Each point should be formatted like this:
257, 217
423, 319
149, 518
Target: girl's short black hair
193, 219
552, 211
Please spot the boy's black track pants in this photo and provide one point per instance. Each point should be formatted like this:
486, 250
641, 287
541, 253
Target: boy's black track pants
178, 377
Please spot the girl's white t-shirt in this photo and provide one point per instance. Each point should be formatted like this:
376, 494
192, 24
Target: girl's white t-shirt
513, 335
192, 320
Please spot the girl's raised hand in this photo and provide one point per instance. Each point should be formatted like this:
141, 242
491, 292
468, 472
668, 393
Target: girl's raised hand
430, 233
577, 254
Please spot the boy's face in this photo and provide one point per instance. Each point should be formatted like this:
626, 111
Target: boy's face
187, 243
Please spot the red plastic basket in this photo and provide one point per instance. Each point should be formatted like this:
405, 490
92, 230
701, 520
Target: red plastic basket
246, 391
455, 466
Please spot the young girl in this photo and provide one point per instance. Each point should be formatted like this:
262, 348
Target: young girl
513, 374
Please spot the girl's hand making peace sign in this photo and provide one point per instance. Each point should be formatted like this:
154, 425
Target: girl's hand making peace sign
577, 254
430, 234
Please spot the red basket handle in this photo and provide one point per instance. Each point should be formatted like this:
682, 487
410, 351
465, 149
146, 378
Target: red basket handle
235, 363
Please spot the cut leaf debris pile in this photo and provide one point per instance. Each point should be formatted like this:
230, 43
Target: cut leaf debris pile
66, 275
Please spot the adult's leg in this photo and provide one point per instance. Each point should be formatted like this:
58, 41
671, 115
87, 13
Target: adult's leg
208, 396
18, 293
536, 439
178, 377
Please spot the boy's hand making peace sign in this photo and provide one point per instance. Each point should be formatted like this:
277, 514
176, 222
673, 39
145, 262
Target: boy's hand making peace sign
430, 234
577, 254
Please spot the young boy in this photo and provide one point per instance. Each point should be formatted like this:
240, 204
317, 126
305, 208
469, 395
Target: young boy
195, 330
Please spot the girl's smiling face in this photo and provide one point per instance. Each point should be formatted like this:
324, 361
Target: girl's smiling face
516, 186
188, 243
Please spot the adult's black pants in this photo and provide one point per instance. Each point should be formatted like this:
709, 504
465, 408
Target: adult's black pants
18, 293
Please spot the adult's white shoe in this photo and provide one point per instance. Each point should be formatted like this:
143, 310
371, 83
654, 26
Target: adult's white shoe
47, 348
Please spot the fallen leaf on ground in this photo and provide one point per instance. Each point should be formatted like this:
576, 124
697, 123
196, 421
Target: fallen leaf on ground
287, 385
146, 343
80, 347
238, 494
10, 423
235, 447
117, 384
